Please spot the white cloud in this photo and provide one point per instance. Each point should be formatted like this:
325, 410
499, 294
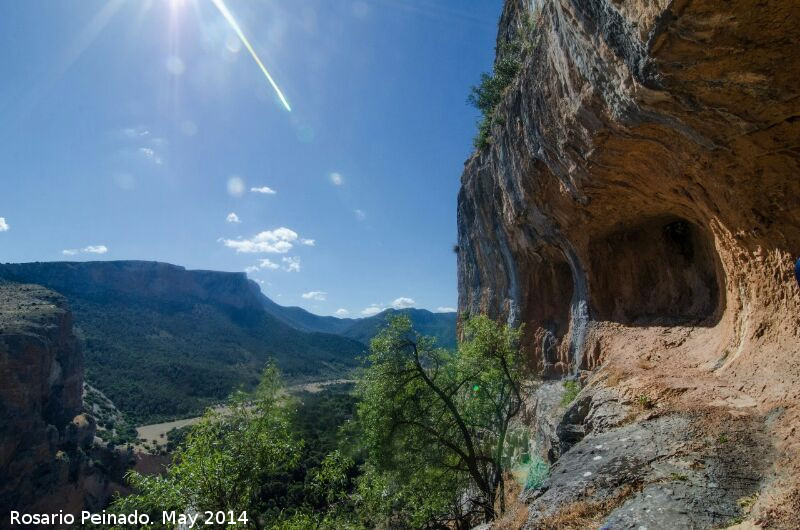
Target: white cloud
95, 249
403, 303
233, 218
91, 249
445, 310
135, 132
235, 186
278, 241
337, 179
264, 189
267, 264
371, 310
3, 225
291, 264
360, 214
150, 154
342, 312
319, 296
307, 242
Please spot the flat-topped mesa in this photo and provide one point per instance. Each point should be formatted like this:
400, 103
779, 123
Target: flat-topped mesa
44, 437
152, 280
642, 174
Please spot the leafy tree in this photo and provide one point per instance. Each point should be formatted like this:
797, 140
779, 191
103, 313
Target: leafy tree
227, 460
435, 424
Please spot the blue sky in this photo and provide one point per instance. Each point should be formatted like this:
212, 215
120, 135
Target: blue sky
132, 129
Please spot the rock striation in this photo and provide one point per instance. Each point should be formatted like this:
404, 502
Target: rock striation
638, 210
47, 458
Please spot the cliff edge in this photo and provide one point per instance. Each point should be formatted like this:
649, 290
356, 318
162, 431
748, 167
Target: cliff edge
47, 457
638, 210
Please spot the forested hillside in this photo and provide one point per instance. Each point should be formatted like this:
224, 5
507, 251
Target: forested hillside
162, 342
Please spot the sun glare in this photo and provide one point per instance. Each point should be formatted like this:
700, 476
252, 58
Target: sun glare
220, 5
229, 18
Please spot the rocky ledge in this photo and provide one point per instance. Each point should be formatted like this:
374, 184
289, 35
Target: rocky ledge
638, 210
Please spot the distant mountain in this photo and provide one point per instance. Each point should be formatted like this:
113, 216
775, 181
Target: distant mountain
442, 326
439, 325
300, 319
162, 341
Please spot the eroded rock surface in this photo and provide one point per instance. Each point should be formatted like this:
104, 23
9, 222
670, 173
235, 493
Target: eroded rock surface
638, 209
47, 458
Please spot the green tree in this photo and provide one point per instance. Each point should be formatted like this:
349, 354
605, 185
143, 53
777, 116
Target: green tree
488, 94
435, 423
226, 461
331, 483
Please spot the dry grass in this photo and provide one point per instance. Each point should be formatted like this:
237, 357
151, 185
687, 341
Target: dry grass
583, 515
516, 513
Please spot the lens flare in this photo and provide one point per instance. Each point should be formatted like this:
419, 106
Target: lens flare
220, 5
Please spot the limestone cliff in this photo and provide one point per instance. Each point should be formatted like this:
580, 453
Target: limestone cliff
47, 458
638, 210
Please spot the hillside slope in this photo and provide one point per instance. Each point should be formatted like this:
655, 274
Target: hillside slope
637, 207
161, 341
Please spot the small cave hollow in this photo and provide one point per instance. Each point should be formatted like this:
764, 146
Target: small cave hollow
664, 271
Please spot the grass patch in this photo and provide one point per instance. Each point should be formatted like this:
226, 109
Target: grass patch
571, 389
645, 402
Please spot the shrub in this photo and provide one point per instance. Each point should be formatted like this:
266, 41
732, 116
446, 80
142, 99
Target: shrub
488, 94
538, 470
571, 389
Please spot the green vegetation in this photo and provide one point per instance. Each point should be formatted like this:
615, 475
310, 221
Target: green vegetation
537, 471
440, 326
645, 402
571, 390
229, 461
158, 362
112, 425
435, 423
424, 442
487, 95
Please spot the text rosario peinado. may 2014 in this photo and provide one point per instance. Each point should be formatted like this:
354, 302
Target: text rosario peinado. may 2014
190, 519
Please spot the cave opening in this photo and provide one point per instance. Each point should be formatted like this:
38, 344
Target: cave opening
664, 271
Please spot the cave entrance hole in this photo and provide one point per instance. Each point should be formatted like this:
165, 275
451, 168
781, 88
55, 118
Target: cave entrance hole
664, 271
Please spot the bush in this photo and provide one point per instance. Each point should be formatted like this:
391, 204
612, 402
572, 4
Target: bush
486, 96
571, 389
538, 470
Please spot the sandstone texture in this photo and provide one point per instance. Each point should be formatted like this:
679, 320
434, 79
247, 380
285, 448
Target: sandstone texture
48, 460
638, 210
